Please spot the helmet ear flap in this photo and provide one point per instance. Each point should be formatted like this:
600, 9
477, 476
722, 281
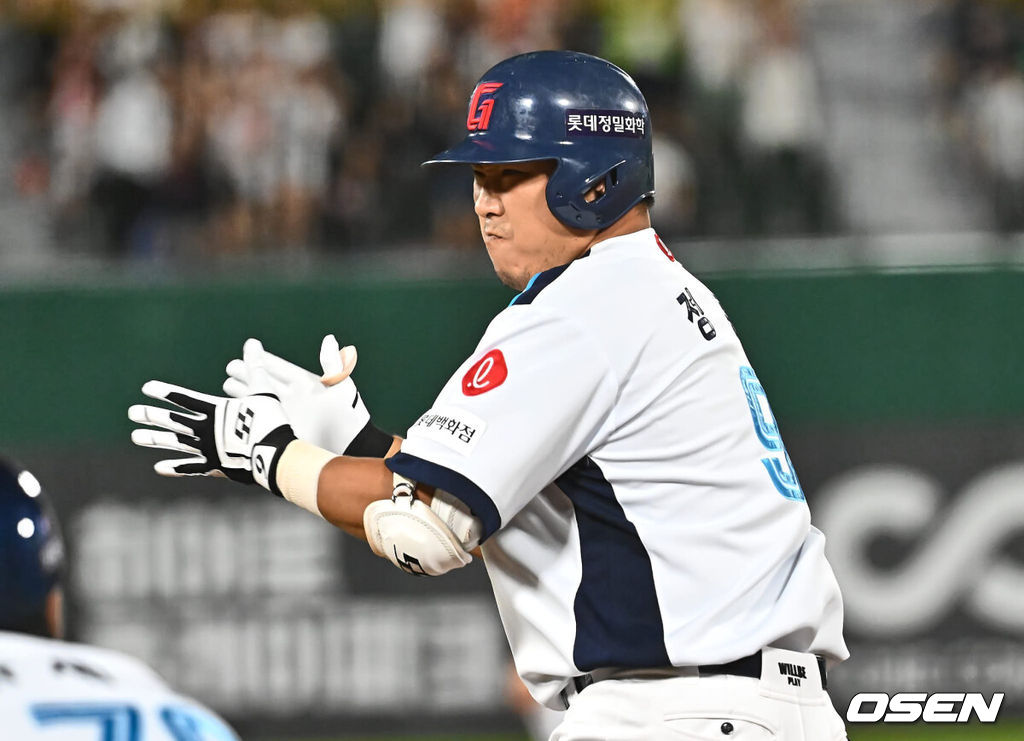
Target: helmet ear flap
611, 179
575, 210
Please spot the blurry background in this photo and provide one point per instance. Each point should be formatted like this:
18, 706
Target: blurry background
178, 175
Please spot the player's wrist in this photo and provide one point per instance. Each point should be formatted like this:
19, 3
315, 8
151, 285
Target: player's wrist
297, 474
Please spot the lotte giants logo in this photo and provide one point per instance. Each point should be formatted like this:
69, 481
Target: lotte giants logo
487, 373
479, 117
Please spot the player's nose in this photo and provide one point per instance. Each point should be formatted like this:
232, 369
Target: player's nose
487, 204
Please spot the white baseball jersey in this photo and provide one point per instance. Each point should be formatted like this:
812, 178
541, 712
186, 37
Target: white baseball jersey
639, 506
56, 691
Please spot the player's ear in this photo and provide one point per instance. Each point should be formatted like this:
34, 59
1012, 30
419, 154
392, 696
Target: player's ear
596, 192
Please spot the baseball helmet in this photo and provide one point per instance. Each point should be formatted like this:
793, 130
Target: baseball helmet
577, 109
31, 551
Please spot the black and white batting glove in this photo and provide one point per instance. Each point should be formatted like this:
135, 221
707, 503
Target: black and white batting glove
326, 410
242, 439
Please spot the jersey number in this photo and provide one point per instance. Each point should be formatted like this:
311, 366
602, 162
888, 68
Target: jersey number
124, 722
777, 463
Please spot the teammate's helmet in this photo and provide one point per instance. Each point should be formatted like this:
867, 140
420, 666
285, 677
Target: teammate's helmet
580, 110
31, 551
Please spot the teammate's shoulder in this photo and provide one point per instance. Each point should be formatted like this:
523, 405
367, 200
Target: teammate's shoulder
109, 663
19, 643
14, 644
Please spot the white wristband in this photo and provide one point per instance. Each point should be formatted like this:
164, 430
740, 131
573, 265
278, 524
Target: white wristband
298, 473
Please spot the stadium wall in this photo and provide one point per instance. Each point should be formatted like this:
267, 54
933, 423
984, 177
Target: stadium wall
897, 393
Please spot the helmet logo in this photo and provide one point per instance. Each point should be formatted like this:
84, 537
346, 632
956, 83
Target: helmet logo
479, 117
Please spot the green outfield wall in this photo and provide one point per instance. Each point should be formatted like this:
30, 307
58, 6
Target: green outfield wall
897, 391
844, 348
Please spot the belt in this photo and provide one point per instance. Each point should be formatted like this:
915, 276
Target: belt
748, 666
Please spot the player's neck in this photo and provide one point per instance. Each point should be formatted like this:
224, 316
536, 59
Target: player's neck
636, 219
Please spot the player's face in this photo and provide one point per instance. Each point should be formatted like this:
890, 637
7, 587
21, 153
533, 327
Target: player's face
521, 234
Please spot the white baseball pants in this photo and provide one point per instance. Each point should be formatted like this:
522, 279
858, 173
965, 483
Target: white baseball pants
786, 704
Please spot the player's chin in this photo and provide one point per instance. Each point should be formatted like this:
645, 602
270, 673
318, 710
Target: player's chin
515, 280
511, 275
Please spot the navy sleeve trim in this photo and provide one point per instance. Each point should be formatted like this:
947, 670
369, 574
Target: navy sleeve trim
453, 482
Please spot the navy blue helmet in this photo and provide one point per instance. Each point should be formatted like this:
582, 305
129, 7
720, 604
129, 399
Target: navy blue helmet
577, 109
31, 551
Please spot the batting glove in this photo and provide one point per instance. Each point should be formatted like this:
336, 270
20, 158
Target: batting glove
326, 410
242, 439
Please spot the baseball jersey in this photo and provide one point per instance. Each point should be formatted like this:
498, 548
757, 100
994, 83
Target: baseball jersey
51, 690
639, 506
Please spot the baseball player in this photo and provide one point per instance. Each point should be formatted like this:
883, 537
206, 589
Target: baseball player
51, 690
608, 444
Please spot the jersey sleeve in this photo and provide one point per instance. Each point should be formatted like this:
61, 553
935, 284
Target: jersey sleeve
529, 403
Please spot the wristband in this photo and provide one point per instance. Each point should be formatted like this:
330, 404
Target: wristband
298, 473
275, 443
371, 442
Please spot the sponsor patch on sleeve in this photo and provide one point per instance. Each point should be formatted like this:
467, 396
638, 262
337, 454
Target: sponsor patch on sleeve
452, 427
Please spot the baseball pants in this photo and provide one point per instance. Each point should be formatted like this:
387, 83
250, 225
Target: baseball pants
787, 703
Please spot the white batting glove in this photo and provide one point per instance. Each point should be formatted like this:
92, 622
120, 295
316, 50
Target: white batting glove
326, 410
242, 439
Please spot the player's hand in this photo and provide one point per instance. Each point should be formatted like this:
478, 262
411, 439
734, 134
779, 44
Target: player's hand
241, 439
326, 410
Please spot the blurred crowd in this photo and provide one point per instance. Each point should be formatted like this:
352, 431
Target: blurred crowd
982, 84
196, 126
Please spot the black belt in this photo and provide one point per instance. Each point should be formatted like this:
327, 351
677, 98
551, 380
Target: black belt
748, 666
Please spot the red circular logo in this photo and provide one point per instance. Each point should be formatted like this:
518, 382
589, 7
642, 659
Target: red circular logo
487, 373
